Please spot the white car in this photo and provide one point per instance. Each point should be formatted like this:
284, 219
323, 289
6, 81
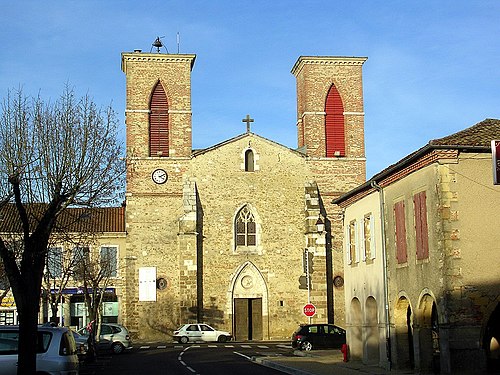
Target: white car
55, 348
200, 332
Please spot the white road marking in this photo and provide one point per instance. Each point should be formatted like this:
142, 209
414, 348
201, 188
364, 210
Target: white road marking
144, 347
263, 346
246, 346
161, 347
243, 355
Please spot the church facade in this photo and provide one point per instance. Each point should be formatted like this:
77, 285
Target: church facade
240, 235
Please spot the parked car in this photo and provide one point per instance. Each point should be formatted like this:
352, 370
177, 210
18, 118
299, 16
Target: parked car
200, 332
82, 344
55, 347
315, 336
113, 336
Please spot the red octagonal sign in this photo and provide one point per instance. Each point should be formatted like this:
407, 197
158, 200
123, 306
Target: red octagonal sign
309, 310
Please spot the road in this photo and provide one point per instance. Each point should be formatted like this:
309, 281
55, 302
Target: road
194, 359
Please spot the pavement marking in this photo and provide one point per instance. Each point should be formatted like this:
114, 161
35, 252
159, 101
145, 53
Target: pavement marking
263, 346
144, 347
246, 346
162, 346
212, 346
243, 355
229, 346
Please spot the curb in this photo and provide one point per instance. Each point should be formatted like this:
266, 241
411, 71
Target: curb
280, 367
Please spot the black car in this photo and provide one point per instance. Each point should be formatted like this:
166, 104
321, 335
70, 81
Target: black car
326, 336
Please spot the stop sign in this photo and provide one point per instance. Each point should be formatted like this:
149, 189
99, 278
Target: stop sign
309, 310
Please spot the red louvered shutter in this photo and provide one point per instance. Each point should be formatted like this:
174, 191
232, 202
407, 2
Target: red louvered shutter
399, 215
421, 233
158, 123
334, 124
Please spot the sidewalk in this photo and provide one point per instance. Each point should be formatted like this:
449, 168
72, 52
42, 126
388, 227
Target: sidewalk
320, 362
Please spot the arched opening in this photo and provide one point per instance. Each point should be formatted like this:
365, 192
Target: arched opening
158, 122
356, 331
372, 342
403, 321
491, 341
249, 161
250, 303
334, 124
245, 228
428, 334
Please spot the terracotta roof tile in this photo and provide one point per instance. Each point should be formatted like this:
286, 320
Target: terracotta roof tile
99, 220
480, 134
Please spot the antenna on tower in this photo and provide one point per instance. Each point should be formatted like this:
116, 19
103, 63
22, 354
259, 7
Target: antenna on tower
158, 44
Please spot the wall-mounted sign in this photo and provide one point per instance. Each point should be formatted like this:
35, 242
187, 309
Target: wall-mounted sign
495, 156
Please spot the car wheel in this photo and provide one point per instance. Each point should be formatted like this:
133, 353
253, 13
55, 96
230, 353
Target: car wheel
184, 339
117, 348
306, 345
222, 338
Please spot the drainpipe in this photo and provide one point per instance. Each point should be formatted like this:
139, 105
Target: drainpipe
384, 262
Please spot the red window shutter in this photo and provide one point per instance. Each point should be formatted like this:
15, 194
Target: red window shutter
399, 215
158, 123
421, 230
334, 124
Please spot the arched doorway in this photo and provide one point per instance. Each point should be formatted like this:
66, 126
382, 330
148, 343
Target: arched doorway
403, 321
428, 334
372, 342
249, 303
356, 334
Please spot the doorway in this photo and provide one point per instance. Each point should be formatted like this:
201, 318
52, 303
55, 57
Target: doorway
248, 319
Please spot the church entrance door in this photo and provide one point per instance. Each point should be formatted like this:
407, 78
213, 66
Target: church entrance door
248, 318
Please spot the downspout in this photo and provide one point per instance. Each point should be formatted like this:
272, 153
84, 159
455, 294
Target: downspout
384, 262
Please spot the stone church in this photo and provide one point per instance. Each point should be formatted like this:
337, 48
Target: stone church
242, 234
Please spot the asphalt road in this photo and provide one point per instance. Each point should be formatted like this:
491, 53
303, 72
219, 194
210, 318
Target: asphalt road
194, 359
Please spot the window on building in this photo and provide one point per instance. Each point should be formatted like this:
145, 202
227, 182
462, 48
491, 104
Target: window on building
249, 161
334, 124
81, 255
54, 262
245, 228
108, 260
368, 237
421, 232
399, 219
158, 123
353, 242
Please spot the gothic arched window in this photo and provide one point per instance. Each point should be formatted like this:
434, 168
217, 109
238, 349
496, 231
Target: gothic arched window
249, 161
245, 228
158, 122
334, 124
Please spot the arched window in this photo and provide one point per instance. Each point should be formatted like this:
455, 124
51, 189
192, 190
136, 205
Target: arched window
249, 161
334, 124
245, 228
158, 122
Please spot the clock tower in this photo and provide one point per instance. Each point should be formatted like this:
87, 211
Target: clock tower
160, 217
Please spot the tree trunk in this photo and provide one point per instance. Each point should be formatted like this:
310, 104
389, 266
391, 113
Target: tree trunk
28, 327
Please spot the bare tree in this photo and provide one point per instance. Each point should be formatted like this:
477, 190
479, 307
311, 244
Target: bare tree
4, 283
52, 156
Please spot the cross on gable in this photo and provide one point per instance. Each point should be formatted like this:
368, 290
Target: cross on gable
248, 120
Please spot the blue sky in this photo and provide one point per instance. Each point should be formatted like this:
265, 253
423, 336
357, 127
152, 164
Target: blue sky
433, 67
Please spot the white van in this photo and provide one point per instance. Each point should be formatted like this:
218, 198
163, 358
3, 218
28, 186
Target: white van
56, 351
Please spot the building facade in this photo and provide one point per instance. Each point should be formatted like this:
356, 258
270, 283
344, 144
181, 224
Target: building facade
222, 235
437, 227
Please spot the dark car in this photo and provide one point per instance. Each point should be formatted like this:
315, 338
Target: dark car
316, 336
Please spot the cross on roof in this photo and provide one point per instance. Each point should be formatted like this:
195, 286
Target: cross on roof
248, 120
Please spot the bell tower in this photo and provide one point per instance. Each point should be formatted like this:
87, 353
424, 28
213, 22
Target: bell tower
158, 107
330, 114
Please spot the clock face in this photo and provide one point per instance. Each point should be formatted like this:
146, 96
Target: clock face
159, 176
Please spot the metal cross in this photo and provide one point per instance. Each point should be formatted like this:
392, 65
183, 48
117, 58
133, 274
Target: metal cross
248, 120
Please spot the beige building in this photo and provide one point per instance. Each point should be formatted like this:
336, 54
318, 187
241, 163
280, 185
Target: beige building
97, 233
221, 235
422, 239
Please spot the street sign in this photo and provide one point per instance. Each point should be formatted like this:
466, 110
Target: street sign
309, 310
